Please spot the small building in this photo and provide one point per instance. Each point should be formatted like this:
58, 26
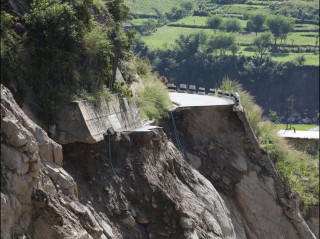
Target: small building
301, 140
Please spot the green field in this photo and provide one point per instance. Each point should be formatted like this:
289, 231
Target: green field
306, 27
202, 21
147, 6
192, 20
165, 36
300, 38
168, 34
138, 22
243, 8
297, 126
312, 59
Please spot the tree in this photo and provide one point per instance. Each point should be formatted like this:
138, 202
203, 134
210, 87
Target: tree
257, 21
148, 26
187, 5
280, 26
214, 22
222, 42
262, 42
232, 25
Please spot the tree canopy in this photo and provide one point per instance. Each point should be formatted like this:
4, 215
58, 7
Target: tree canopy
280, 26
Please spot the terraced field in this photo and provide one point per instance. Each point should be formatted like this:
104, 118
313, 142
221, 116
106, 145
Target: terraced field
303, 41
146, 7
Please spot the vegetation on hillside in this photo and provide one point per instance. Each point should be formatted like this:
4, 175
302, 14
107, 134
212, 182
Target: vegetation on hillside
244, 17
202, 60
299, 170
152, 99
59, 51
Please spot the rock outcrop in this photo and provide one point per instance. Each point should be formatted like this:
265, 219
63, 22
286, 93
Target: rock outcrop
138, 185
242, 173
155, 193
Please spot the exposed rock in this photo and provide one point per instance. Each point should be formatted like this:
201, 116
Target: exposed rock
186, 222
239, 164
194, 160
154, 186
243, 173
129, 221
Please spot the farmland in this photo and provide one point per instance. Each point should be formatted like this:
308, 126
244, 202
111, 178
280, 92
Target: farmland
303, 40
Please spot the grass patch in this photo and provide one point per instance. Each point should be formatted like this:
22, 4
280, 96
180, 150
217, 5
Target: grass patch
312, 59
302, 38
153, 100
147, 6
297, 126
305, 27
202, 21
139, 21
243, 8
192, 20
165, 36
299, 38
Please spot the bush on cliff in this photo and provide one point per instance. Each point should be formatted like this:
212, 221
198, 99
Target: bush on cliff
298, 170
153, 99
58, 52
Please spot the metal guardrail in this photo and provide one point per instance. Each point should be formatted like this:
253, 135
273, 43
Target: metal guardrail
191, 89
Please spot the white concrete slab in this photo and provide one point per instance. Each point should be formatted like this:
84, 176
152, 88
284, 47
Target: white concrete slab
299, 134
145, 128
186, 100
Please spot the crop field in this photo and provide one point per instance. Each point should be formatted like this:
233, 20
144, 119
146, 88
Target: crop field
192, 20
138, 22
202, 21
306, 27
147, 6
165, 36
169, 34
304, 39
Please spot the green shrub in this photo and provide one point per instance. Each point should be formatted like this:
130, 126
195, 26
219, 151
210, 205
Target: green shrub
95, 97
222, 42
153, 100
232, 25
98, 49
11, 47
214, 22
274, 117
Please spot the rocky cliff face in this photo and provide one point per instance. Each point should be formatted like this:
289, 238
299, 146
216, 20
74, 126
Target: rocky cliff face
219, 142
146, 190
154, 195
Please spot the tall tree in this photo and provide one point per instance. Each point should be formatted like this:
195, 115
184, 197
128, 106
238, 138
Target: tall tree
257, 21
280, 26
214, 22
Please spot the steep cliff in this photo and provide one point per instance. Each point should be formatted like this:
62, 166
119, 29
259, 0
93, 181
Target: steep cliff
155, 195
146, 190
220, 143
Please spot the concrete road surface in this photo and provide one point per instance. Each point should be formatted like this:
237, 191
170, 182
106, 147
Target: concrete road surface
186, 100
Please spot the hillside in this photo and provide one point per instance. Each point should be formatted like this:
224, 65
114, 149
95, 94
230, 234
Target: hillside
93, 146
214, 40
302, 41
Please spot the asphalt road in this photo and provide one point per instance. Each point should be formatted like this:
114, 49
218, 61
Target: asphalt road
187, 100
